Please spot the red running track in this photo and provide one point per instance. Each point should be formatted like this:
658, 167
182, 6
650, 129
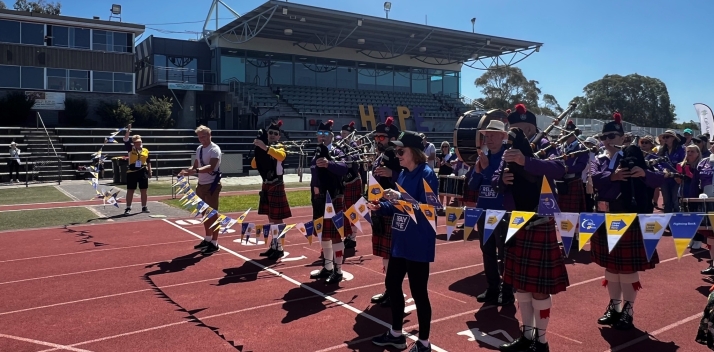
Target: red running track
142, 287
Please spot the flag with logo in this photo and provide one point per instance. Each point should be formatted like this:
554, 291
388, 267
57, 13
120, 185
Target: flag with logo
362, 210
339, 221
567, 224
243, 216
617, 225
493, 218
318, 228
309, 230
518, 220
406, 195
374, 189
471, 217
652, 226
684, 226
547, 206
353, 216
329, 208
408, 208
429, 214
589, 223
452, 216
431, 197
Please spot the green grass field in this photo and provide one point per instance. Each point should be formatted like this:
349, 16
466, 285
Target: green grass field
26, 195
13, 220
164, 189
232, 204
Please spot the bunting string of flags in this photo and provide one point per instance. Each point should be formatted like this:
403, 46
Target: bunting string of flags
111, 196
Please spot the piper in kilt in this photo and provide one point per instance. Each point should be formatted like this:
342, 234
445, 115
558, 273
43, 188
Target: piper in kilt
621, 177
353, 183
273, 200
534, 263
571, 189
386, 170
328, 168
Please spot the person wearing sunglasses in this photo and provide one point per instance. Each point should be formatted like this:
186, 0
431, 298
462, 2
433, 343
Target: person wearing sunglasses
628, 258
526, 121
413, 243
702, 141
647, 144
386, 169
273, 199
670, 147
327, 174
352, 183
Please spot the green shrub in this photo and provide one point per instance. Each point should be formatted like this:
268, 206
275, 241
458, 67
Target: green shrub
76, 111
15, 108
114, 114
155, 113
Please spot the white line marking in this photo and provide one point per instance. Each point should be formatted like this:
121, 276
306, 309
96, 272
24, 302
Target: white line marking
97, 213
66, 193
410, 308
43, 343
193, 222
656, 332
181, 222
314, 291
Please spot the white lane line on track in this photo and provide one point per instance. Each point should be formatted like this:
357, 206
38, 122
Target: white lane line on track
59, 188
44, 343
314, 291
656, 332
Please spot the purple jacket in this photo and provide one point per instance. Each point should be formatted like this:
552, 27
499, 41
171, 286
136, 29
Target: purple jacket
578, 164
608, 190
338, 168
701, 177
551, 169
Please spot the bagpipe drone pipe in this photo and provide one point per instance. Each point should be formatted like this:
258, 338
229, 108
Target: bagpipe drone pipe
328, 181
525, 185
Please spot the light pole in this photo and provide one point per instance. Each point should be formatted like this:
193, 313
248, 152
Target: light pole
473, 25
387, 7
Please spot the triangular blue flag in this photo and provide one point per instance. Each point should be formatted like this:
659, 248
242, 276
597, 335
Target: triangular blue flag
547, 205
471, 217
567, 242
266, 231
309, 228
493, 218
243, 228
650, 246
368, 217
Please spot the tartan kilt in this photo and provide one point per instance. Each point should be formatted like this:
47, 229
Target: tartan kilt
353, 192
470, 196
574, 200
381, 236
629, 253
274, 203
534, 261
329, 231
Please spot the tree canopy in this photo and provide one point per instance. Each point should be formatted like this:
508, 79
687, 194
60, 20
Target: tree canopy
506, 86
641, 100
39, 6
2, 5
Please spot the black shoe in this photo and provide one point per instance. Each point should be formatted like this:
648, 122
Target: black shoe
418, 347
350, 243
334, 278
276, 255
210, 249
386, 303
518, 345
539, 347
145, 210
625, 322
387, 339
611, 315
202, 245
127, 211
380, 298
506, 298
708, 271
267, 253
488, 296
322, 274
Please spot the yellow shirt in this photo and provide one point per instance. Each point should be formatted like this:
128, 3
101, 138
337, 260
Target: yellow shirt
134, 156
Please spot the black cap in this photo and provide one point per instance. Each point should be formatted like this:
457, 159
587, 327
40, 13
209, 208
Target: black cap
570, 126
615, 125
276, 125
388, 128
349, 127
522, 115
700, 138
408, 139
326, 126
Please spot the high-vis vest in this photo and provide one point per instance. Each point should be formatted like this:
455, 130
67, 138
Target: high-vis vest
135, 155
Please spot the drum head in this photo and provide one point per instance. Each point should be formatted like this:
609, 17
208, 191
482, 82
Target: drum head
467, 139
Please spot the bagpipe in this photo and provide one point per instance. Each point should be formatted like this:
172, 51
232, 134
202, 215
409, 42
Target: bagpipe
539, 136
526, 185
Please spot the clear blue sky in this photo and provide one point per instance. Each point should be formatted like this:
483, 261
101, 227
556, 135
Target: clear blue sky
583, 40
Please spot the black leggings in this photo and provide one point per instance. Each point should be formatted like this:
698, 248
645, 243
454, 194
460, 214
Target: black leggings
14, 166
418, 280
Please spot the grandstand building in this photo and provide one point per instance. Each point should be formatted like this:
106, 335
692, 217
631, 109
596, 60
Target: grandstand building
54, 58
305, 64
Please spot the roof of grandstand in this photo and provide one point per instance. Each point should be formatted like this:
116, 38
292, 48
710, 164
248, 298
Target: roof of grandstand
316, 29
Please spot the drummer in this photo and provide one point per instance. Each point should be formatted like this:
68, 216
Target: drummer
447, 161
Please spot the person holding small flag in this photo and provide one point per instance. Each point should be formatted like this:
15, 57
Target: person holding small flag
413, 242
353, 183
328, 167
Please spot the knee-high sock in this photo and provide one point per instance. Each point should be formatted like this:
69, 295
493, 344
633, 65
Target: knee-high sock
385, 264
525, 304
612, 281
710, 242
328, 253
339, 248
542, 316
630, 285
353, 236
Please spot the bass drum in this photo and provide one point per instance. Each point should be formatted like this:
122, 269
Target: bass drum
467, 139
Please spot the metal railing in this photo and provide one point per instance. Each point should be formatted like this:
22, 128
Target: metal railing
38, 122
183, 75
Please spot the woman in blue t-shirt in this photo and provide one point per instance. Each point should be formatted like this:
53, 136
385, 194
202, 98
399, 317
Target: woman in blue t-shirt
413, 243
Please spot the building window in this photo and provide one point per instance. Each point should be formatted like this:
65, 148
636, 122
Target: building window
112, 41
33, 78
102, 40
9, 76
103, 82
56, 79
33, 33
79, 38
123, 83
9, 31
78, 80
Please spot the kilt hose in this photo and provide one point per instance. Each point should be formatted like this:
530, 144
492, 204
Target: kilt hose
573, 201
329, 231
353, 192
274, 201
381, 236
534, 261
629, 253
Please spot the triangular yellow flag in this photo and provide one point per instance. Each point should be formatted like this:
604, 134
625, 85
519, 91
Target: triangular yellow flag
318, 228
428, 211
353, 216
408, 208
616, 225
452, 216
243, 216
374, 191
518, 220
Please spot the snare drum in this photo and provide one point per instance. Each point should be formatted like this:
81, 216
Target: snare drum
451, 186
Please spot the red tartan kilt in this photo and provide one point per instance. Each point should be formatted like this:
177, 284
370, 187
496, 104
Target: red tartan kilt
329, 231
275, 203
353, 192
381, 236
469, 195
574, 201
629, 253
534, 261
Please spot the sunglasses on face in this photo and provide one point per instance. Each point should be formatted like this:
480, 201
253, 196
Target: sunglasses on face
609, 136
666, 137
380, 138
323, 133
645, 143
273, 133
400, 152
